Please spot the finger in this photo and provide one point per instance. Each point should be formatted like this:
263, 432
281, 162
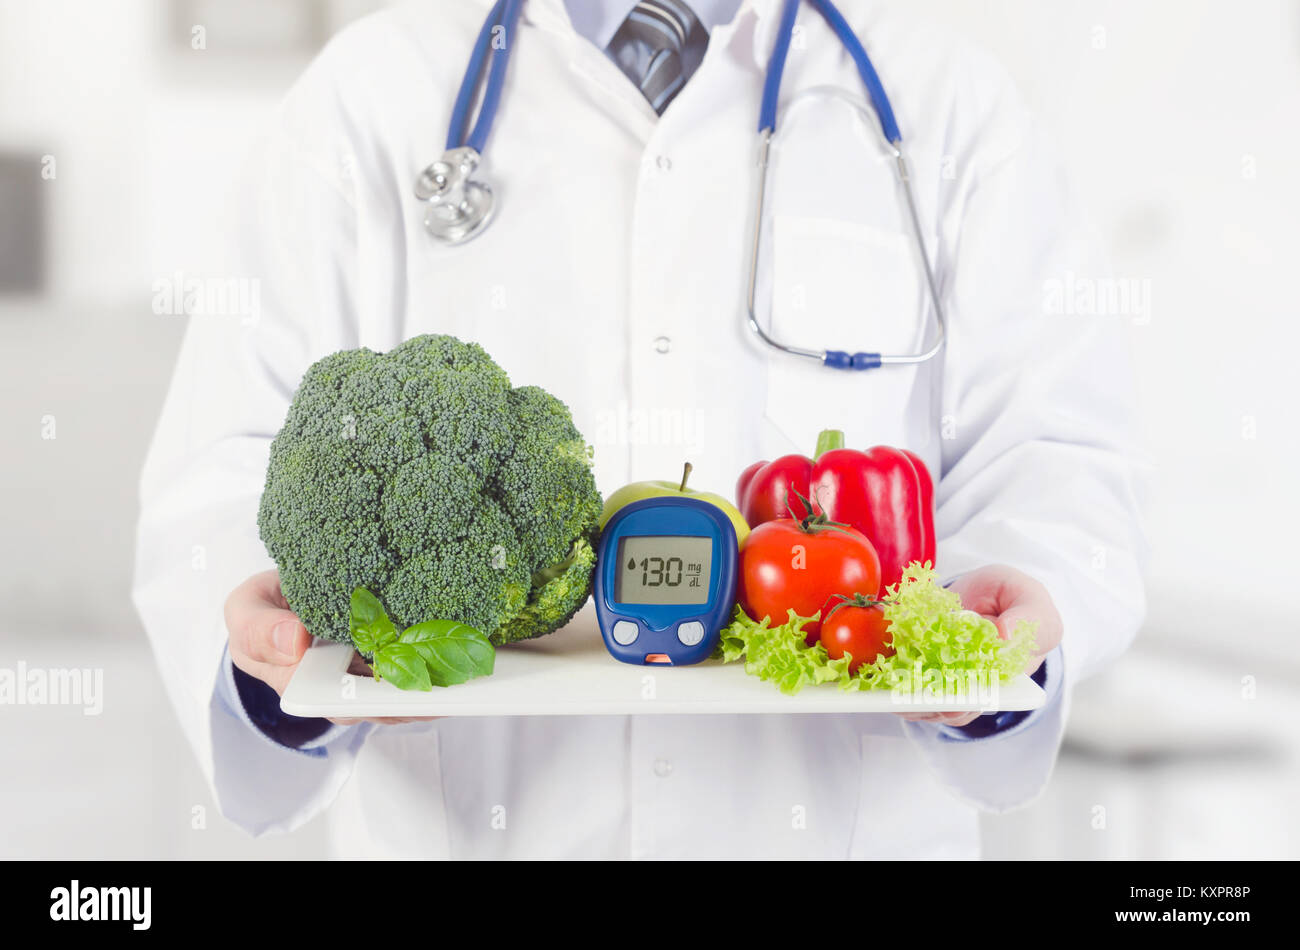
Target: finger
943, 718
977, 591
992, 589
270, 635
261, 630
267, 586
1008, 596
1011, 616
1034, 607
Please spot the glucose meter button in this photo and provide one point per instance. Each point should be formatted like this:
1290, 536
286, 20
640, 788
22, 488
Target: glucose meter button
690, 633
624, 632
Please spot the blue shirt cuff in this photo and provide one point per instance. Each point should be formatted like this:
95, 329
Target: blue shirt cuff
258, 706
1048, 676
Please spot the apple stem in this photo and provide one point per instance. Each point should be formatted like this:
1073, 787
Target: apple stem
686, 473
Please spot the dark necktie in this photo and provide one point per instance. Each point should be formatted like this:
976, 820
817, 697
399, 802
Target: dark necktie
658, 47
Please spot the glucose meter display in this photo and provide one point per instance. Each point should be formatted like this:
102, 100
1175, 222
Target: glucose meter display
670, 569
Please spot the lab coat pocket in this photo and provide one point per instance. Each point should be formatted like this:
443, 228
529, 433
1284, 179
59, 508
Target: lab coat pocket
841, 285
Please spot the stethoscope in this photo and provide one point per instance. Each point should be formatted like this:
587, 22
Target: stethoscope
459, 205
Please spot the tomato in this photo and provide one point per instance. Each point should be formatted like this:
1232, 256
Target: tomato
802, 566
862, 632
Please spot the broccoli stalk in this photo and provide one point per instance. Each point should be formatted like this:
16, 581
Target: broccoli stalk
424, 477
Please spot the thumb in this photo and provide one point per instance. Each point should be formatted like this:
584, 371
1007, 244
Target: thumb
1006, 622
1032, 604
265, 633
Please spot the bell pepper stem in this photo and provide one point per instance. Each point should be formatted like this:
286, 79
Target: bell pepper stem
827, 440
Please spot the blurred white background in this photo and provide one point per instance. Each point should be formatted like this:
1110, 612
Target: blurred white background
1178, 124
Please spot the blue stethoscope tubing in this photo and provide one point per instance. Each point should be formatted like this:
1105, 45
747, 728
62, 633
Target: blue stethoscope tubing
465, 205
855, 49
504, 16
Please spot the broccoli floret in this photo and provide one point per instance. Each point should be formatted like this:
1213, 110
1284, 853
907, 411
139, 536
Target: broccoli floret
421, 475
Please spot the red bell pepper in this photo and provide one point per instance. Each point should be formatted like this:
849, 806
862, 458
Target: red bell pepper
885, 493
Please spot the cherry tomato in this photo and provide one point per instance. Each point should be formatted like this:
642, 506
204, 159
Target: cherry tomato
787, 564
862, 632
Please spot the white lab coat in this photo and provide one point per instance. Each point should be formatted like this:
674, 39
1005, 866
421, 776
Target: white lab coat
613, 276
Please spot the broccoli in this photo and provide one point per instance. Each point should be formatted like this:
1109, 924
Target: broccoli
421, 475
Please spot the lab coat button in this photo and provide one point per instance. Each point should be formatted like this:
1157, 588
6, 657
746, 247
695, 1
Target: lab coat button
625, 632
663, 344
663, 768
665, 163
690, 633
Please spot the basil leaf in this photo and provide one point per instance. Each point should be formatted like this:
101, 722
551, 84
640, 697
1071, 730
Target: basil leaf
453, 651
369, 624
402, 665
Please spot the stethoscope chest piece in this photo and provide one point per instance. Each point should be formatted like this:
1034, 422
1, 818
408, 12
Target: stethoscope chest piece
457, 207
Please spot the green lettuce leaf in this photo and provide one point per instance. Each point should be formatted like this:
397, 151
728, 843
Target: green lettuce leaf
779, 653
936, 642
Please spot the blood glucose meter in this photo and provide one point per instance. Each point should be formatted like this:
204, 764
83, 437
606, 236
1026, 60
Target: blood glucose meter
665, 580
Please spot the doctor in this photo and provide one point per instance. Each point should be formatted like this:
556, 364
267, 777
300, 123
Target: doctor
613, 273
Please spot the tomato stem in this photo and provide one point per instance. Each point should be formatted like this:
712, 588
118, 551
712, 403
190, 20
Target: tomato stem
812, 522
857, 600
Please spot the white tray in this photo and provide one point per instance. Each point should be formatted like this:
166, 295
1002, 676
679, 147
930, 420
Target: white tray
569, 673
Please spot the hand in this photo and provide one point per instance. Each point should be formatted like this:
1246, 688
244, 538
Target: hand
1006, 596
267, 640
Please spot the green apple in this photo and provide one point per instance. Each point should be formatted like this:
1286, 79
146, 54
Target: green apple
638, 491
